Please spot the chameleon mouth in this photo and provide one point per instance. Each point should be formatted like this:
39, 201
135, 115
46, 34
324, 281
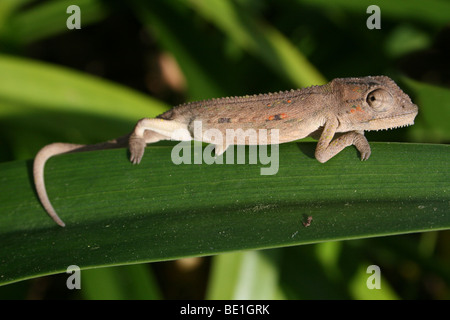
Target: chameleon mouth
393, 122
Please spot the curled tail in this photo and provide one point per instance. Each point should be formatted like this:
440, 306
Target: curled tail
38, 173
58, 148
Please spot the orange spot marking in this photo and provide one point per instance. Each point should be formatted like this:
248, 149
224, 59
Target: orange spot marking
271, 118
358, 108
352, 110
289, 101
283, 115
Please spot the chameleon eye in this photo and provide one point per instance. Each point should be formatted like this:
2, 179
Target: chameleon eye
379, 99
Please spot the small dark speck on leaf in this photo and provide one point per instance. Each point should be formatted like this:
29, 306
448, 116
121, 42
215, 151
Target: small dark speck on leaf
307, 221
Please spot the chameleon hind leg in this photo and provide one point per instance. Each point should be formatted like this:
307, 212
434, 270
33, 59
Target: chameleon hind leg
149, 130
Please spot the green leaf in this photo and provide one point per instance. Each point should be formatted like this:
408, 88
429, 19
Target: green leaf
237, 276
118, 214
262, 40
175, 33
49, 19
40, 103
433, 12
434, 111
43, 86
119, 283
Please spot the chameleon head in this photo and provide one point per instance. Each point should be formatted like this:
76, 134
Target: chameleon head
373, 103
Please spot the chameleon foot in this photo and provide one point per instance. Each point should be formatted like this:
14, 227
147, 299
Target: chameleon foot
137, 147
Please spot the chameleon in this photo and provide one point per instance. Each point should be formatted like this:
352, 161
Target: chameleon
336, 114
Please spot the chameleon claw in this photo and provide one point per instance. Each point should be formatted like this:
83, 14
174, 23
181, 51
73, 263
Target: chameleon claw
365, 156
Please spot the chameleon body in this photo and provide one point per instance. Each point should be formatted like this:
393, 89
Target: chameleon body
337, 114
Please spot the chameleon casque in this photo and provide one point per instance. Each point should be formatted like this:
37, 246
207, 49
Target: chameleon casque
337, 114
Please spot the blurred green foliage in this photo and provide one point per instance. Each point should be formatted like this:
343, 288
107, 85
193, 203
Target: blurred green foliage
224, 48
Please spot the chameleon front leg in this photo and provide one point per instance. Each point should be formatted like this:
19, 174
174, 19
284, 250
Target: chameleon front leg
327, 148
150, 130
